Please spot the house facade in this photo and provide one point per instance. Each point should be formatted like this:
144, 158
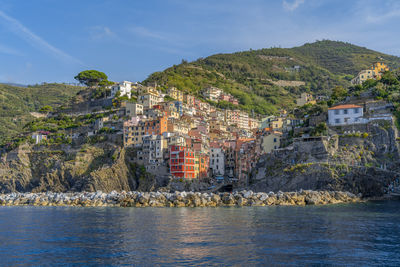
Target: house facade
345, 114
182, 162
124, 88
217, 161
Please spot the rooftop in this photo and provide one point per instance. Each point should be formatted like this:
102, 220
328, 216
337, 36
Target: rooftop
345, 106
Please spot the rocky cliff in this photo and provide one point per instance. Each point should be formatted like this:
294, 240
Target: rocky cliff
64, 168
359, 159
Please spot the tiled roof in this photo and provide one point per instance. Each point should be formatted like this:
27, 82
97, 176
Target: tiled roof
345, 106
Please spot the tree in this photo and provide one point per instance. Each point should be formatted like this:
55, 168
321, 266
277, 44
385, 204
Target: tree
46, 109
92, 78
389, 78
338, 93
369, 83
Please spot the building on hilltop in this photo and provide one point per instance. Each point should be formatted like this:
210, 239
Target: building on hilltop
305, 98
150, 98
124, 88
345, 114
39, 137
375, 72
175, 94
378, 68
212, 93
362, 76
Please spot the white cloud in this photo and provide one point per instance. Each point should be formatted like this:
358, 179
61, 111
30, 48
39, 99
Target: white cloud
9, 50
101, 32
377, 18
293, 5
147, 33
23, 32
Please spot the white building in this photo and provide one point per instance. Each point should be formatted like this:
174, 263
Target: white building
212, 93
217, 161
124, 88
133, 109
345, 114
154, 147
39, 137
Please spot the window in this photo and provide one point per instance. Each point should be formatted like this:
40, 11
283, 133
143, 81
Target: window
345, 111
356, 110
336, 112
274, 140
337, 120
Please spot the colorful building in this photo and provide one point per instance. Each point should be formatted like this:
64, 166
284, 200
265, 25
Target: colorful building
378, 68
182, 162
175, 93
189, 100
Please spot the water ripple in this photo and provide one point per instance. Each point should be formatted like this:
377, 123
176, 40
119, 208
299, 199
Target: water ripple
366, 234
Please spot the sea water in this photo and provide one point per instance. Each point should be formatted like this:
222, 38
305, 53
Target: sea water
346, 234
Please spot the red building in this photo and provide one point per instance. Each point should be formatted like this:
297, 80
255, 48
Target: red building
182, 162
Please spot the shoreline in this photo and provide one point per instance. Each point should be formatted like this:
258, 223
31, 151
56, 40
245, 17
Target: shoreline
178, 199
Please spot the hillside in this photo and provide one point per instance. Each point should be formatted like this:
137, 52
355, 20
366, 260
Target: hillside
16, 103
252, 76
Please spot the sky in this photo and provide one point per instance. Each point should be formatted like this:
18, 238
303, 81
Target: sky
53, 40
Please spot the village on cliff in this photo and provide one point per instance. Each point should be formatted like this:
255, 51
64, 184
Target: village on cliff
173, 133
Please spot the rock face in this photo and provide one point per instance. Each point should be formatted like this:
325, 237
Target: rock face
60, 169
357, 163
177, 199
370, 182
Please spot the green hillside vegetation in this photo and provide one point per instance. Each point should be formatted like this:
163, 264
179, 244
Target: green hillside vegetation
16, 103
250, 75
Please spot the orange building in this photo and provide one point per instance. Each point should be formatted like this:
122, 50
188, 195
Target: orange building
204, 165
157, 126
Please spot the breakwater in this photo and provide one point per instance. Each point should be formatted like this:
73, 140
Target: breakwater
177, 199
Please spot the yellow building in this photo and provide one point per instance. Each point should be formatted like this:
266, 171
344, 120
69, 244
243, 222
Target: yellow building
277, 123
374, 73
175, 93
363, 76
149, 99
196, 165
254, 123
133, 133
271, 141
378, 68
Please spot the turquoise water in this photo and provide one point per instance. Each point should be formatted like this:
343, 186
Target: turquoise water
357, 234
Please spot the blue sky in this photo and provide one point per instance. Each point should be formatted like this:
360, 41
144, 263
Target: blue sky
52, 40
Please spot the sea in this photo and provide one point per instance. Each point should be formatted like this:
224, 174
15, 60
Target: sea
363, 234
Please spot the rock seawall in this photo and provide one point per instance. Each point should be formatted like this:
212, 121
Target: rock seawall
177, 199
